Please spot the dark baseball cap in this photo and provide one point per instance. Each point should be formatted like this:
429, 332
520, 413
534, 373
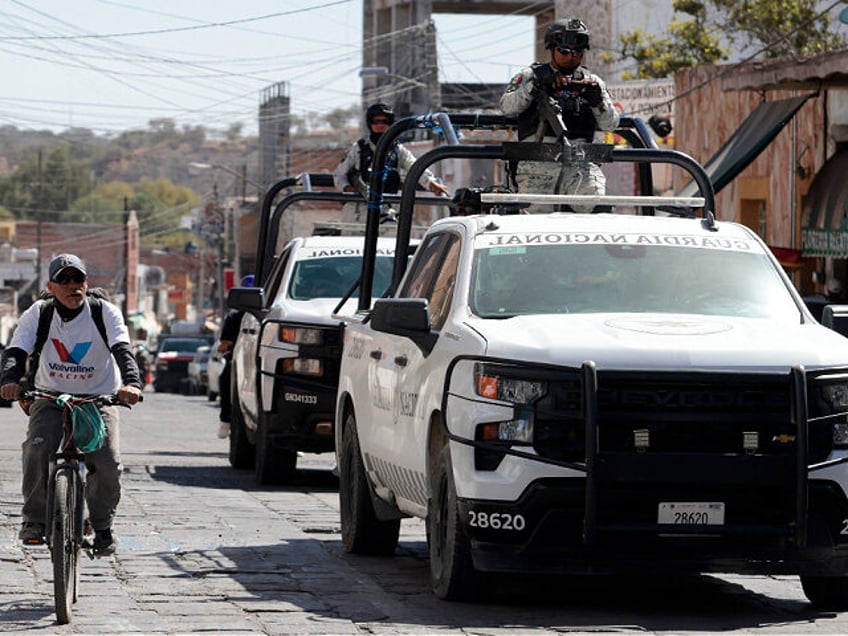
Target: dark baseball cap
66, 261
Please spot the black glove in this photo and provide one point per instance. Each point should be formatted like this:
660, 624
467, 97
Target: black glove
545, 77
593, 95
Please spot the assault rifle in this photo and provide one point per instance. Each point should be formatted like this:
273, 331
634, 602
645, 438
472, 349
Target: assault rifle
550, 114
357, 182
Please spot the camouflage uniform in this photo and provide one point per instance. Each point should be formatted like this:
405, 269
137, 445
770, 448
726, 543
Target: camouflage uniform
355, 212
581, 120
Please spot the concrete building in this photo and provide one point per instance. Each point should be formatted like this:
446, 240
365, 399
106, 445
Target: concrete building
794, 195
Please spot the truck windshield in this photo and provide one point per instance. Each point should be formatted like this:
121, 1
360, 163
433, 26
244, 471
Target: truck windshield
545, 279
333, 277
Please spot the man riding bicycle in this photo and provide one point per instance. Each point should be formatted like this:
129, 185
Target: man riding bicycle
86, 351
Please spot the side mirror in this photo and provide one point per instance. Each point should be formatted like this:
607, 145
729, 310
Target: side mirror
836, 317
249, 299
407, 317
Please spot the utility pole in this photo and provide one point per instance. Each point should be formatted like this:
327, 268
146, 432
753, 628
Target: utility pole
222, 237
37, 258
126, 259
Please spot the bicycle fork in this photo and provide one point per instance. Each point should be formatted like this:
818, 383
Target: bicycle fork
71, 463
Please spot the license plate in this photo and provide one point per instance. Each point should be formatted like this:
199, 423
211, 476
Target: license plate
691, 513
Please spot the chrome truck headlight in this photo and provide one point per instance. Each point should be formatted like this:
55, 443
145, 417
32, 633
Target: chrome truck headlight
301, 335
505, 383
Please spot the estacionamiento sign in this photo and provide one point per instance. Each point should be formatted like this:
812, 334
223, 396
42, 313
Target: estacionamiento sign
643, 98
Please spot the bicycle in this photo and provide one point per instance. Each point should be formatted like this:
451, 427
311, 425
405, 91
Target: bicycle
65, 531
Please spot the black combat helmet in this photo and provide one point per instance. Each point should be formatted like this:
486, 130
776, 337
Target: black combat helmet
377, 109
567, 33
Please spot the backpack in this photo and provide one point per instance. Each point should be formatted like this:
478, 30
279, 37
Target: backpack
45, 315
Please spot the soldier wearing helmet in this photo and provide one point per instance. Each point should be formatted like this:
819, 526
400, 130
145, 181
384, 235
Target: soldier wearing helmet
582, 98
353, 174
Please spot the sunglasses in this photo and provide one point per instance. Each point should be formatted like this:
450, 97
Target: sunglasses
379, 120
567, 51
76, 277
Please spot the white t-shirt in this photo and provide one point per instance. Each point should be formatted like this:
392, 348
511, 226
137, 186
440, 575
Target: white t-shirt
74, 359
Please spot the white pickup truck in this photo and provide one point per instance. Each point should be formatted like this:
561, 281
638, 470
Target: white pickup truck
572, 393
286, 357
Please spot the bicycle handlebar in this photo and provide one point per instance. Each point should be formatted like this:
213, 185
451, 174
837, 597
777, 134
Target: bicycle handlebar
107, 399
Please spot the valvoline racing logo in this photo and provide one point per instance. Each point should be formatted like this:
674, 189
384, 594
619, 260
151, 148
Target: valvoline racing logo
71, 366
76, 355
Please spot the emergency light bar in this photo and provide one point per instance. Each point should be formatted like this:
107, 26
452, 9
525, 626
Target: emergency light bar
591, 199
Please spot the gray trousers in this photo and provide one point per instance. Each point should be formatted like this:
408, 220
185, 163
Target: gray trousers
546, 177
103, 482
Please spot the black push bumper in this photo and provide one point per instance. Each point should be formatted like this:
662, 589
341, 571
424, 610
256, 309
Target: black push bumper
301, 418
547, 532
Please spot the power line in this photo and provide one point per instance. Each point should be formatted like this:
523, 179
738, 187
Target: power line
163, 31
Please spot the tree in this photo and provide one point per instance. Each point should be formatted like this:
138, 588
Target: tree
41, 188
158, 203
105, 204
341, 118
782, 27
695, 34
234, 131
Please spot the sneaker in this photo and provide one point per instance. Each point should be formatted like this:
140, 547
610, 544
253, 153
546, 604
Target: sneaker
31, 533
224, 430
104, 542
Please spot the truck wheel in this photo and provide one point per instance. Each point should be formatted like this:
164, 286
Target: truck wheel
242, 453
452, 573
362, 531
273, 466
826, 592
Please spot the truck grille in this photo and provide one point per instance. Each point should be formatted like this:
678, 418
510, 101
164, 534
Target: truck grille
675, 413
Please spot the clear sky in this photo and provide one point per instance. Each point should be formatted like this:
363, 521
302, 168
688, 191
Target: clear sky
113, 65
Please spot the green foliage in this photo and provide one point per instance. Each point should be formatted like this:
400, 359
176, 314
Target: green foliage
340, 118
786, 27
158, 204
694, 37
41, 188
162, 131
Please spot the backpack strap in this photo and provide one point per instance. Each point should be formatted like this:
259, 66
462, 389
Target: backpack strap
96, 306
45, 315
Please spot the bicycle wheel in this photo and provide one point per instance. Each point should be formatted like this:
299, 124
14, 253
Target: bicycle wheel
63, 547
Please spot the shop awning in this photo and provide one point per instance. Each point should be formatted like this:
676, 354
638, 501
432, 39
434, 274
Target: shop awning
824, 218
750, 139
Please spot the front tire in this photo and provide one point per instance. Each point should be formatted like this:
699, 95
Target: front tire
452, 573
362, 531
273, 466
826, 592
242, 452
63, 547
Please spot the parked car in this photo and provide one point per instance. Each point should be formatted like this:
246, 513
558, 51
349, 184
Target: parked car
172, 358
198, 377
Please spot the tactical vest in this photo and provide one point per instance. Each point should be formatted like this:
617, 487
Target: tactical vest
576, 113
366, 155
